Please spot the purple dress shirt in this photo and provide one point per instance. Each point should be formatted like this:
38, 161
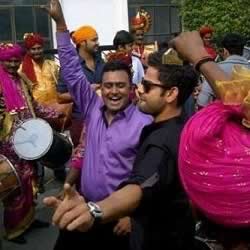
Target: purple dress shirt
110, 150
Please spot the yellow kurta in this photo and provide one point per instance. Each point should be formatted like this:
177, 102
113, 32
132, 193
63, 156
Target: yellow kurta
45, 93
44, 90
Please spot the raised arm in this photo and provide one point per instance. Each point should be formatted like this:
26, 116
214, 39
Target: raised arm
190, 46
71, 69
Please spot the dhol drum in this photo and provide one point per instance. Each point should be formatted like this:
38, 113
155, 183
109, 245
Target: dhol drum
34, 139
10, 181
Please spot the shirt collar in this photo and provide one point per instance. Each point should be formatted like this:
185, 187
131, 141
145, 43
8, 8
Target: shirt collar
97, 58
127, 112
236, 58
177, 119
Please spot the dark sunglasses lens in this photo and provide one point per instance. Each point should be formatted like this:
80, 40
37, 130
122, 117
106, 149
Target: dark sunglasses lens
146, 86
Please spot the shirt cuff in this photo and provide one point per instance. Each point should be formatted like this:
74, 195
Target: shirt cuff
63, 38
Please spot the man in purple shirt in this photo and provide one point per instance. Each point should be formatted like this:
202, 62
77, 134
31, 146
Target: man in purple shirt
113, 127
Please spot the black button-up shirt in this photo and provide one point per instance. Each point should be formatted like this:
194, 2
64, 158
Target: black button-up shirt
164, 211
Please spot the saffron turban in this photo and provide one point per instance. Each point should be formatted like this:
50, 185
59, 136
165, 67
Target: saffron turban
31, 39
7, 51
83, 33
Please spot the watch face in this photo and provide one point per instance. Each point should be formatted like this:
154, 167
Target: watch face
95, 210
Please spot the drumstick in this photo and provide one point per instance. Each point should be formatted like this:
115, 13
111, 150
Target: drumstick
22, 127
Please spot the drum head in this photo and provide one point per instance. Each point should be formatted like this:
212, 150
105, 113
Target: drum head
32, 139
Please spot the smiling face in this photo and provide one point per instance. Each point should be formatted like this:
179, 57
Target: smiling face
36, 52
207, 39
115, 90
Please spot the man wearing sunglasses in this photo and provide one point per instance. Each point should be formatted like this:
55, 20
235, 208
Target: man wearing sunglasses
153, 190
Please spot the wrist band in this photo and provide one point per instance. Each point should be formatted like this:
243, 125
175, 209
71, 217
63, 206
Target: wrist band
62, 28
202, 61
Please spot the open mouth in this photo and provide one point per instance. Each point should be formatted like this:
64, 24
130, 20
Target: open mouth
115, 100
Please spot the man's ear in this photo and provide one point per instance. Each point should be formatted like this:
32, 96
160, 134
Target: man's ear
83, 44
121, 47
171, 95
225, 53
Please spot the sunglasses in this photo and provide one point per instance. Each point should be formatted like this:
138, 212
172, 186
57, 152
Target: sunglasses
148, 85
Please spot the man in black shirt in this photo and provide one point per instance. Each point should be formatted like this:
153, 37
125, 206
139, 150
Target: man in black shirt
153, 191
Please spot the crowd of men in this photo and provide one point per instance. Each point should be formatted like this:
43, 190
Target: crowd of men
161, 138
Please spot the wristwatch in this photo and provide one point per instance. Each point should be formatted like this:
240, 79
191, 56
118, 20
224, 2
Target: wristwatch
95, 211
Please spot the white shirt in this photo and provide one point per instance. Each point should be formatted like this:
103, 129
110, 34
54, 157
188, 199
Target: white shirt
138, 71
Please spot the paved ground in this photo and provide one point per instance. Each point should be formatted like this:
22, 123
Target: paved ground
39, 239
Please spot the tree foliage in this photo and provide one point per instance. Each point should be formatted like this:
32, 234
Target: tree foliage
224, 15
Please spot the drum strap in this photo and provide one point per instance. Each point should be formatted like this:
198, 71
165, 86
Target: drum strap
25, 83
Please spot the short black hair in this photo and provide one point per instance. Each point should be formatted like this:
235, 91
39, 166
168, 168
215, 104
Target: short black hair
234, 43
116, 66
122, 37
183, 77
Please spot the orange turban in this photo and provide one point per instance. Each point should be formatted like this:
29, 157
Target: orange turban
83, 33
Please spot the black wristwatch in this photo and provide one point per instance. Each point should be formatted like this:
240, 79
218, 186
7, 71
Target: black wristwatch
95, 211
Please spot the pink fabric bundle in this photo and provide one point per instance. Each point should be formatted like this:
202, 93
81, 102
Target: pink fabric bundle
214, 164
14, 100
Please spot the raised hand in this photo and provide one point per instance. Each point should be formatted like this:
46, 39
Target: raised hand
54, 9
189, 45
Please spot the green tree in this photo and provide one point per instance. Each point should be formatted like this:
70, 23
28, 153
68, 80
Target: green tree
223, 15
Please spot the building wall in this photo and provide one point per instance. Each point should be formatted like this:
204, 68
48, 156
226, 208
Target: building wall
166, 21
107, 16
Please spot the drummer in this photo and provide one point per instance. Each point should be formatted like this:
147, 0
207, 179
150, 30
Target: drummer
15, 106
43, 75
41, 72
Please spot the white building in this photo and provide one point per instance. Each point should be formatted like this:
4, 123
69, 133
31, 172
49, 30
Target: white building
107, 16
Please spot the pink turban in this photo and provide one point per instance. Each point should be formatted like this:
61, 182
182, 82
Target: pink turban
14, 101
214, 164
9, 50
